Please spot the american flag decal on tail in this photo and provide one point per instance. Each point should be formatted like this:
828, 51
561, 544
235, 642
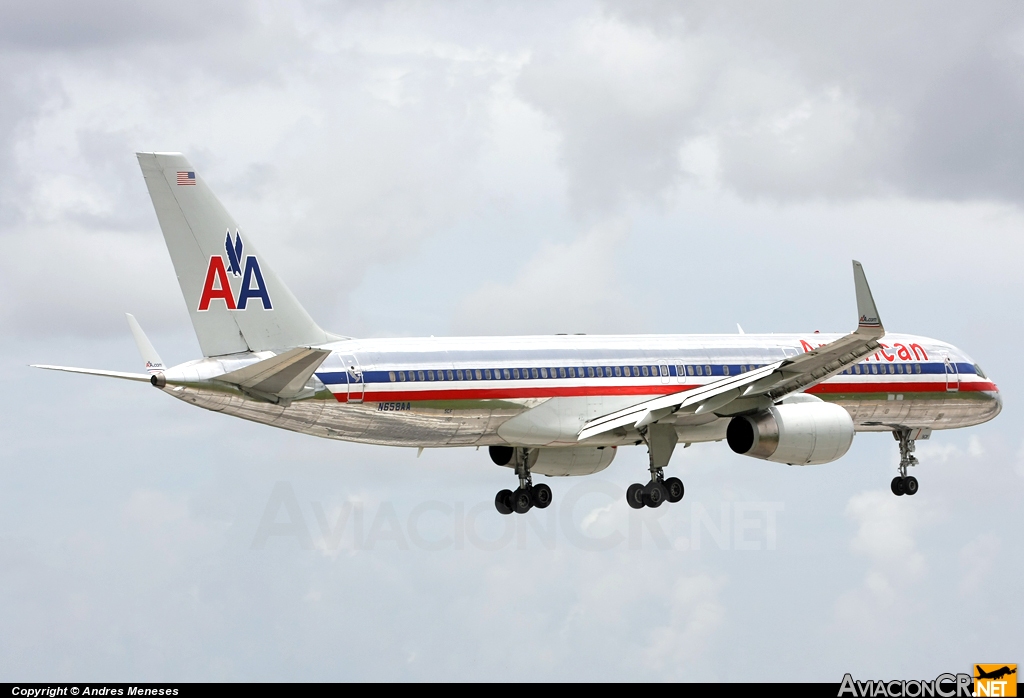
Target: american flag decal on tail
186, 178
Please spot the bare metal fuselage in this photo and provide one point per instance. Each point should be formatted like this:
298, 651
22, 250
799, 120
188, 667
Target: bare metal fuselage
440, 392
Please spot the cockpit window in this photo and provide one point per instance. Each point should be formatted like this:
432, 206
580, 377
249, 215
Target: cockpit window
981, 374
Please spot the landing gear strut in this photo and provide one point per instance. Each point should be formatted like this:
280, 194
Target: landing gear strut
661, 441
527, 495
903, 484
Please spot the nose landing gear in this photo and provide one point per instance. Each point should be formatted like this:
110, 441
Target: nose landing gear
906, 484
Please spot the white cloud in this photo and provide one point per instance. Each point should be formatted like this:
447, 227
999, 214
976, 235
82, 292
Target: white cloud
565, 287
886, 537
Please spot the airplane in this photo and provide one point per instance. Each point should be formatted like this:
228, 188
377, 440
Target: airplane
996, 674
556, 405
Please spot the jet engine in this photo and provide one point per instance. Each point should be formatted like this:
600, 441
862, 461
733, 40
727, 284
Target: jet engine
802, 433
558, 461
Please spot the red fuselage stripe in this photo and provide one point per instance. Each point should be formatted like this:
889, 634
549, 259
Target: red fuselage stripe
652, 390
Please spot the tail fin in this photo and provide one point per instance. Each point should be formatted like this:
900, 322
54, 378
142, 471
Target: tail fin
235, 299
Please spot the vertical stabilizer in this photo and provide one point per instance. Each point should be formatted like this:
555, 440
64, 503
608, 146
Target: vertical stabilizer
236, 301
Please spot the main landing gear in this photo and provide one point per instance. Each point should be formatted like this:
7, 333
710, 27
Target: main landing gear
903, 484
527, 495
661, 441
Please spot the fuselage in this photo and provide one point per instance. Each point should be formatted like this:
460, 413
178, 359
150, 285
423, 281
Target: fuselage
472, 391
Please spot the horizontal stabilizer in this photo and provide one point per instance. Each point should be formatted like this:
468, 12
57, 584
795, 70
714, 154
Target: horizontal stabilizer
154, 364
95, 372
282, 376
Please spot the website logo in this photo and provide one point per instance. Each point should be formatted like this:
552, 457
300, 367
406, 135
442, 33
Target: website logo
995, 679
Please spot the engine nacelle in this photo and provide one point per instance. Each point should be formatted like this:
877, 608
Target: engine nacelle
802, 433
558, 461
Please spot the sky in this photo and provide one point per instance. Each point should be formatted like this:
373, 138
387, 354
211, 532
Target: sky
417, 169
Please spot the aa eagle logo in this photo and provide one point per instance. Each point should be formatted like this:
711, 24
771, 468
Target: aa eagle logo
218, 287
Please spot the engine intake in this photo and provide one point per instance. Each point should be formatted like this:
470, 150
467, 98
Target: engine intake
803, 433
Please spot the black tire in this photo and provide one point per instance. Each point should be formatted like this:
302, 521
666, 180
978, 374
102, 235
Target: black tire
655, 494
675, 489
898, 487
503, 502
541, 496
522, 502
910, 485
635, 495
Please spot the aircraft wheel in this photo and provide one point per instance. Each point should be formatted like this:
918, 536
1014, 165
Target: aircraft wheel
898, 486
521, 501
635, 495
910, 485
541, 495
503, 502
655, 494
675, 489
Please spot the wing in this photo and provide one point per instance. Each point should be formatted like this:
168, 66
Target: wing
763, 385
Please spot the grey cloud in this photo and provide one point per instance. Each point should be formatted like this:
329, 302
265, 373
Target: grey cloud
797, 100
65, 24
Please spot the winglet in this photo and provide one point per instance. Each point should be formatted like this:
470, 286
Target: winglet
869, 322
154, 364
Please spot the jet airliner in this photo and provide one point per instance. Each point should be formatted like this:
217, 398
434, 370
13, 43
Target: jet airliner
543, 405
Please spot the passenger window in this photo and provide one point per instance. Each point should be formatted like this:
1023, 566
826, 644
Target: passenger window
917, 368
618, 371
543, 373
458, 375
644, 370
534, 373
707, 370
743, 368
401, 376
451, 376
663, 370
506, 373
515, 373
479, 375
572, 372
590, 371
625, 371
725, 370
689, 370
487, 374
430, 375
874, 369
419, 374
391, 375
561, 372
